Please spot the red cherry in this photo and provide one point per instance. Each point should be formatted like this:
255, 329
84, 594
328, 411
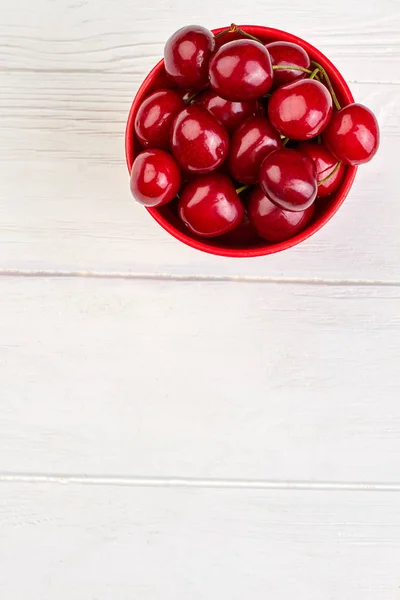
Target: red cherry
300, 110
250, 144
155, 178
287, 53
230, 114
154, 118
210, 206
289, 179
186, 56
325, 163
241, 70
353, 134
199, 142
243, 236
275, 224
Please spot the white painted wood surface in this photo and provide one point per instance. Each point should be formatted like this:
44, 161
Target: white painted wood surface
200, 379
74, 541
174, 424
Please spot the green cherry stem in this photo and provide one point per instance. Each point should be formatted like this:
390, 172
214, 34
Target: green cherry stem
328, 82
248, 35
330, 174
235, 29
188, 100
285, 141
241, 189
292, 68
313, 74
232, 29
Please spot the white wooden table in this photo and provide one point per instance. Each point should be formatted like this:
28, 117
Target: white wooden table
175, 425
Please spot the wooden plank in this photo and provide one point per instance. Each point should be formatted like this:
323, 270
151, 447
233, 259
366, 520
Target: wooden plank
69, 206
199, 379
88, 36
107, 542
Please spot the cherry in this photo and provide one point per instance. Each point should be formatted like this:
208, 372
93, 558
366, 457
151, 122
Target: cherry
325, 163
287, 53
352, 134
250, 144
243, 236
154, 118
300, 110
199, 142
230, 114
210, 206
155, 178
186, 56
273, 223
241, 70
289, 179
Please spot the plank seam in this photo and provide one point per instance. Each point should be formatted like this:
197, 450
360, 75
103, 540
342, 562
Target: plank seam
128, 275
193, 482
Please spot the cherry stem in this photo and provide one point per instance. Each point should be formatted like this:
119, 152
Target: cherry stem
292, 68
313, 74
188, 100
329, 84
235, 29
331, 173
248, 35
241, 189
285, 141
232, 29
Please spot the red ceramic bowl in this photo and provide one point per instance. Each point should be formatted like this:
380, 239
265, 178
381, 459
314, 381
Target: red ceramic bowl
166, 215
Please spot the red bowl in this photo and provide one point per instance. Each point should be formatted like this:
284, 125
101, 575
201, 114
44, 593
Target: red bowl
166, 215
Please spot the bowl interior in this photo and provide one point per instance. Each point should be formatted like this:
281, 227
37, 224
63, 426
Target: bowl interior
166, 215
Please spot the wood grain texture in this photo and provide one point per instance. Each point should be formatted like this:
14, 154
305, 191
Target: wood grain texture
186, 379
101, 543
160, 414
86, 36
69, 73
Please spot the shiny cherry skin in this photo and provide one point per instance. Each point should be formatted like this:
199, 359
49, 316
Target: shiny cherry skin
241, 70
325, 163
273, 223
287, 53
243, 236
300, 110
230, 114
289, 179
187, 55
198, 141
353, 134
155, 116
210, 206
155, 178
250, 144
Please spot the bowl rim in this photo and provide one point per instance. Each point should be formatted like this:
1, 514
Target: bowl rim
270, 248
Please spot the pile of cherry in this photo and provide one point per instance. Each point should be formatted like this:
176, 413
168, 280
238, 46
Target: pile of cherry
246, 138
